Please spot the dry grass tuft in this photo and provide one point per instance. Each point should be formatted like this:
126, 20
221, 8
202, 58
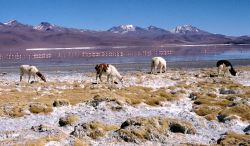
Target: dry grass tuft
16, 111
211, 105
231, 139
44, 140
61, 102
37, 108
93, 129
105, 127
69, 120
139, 129
79, 142
137, 94
241, 110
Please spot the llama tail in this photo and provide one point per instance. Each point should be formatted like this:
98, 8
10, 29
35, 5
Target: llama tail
232, 71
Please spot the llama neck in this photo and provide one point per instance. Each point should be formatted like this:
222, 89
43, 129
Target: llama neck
114, 72
118, 76
232, 71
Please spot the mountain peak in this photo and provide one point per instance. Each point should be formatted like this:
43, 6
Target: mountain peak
44, 26
123, 28
12, 23
184, 29
128, 27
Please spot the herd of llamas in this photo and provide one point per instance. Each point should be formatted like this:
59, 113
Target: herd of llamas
157, 63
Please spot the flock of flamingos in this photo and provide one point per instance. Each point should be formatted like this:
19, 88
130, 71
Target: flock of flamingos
112, 73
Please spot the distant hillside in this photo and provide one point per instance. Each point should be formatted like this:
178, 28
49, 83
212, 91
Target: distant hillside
15, 35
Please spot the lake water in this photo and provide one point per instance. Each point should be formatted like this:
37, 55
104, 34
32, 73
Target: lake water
183, 57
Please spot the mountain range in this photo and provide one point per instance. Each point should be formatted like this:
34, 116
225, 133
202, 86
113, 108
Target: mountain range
15, 35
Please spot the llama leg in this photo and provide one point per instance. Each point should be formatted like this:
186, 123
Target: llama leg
108, 76
160, 69
227, 72
100, 77
21, 77
152, 66
112, 80
155, 69
96, 78
219, 71
29, 78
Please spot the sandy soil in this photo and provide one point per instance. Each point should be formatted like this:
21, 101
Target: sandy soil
212, 106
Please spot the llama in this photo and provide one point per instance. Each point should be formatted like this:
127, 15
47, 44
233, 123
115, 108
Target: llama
225, 66
30, 70
158, 62
108, 69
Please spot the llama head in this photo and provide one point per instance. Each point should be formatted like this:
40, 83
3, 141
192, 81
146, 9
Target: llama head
97, 67
41, 76
121, 79
239, 73
233, 72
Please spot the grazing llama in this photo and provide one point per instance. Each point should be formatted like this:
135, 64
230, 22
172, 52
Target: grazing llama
30, 70
225, 66
108, 69
158, 62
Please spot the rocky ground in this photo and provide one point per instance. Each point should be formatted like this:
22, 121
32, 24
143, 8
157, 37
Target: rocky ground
180, 107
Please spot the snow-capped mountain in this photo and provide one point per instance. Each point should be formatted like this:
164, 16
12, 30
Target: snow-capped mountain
135, 30
14, 23
187, 29
48, 27
45, 26
125, 29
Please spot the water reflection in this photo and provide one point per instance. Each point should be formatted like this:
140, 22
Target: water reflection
134, 55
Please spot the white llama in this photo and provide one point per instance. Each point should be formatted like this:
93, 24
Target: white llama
158, 62
108, 69
30, 70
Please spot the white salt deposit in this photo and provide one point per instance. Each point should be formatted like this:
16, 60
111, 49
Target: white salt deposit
207, 131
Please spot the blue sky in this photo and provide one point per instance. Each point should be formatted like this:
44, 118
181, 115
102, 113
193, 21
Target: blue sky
230, 17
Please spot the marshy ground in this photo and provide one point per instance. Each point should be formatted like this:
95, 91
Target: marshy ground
179, 107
